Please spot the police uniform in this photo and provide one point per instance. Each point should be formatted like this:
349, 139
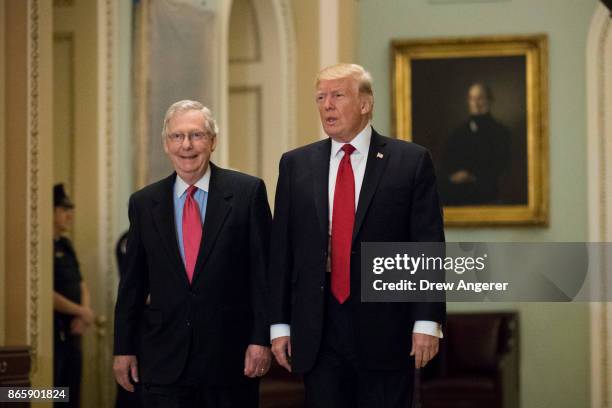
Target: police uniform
67, 356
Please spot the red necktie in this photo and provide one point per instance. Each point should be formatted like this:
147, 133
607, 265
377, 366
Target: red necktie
343, 219
192, 231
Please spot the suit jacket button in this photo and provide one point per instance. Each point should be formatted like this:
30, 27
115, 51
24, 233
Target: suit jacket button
322, 288
188, 323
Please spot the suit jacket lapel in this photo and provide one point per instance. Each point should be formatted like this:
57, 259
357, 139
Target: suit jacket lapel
320, 183
217, 209
163, 218
378, 156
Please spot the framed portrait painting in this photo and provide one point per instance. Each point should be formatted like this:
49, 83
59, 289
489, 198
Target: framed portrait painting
480, 105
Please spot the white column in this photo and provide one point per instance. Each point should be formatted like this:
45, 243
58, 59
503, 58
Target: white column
599, 150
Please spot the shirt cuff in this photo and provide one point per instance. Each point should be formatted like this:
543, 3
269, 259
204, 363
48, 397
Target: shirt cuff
428, 327
279, 330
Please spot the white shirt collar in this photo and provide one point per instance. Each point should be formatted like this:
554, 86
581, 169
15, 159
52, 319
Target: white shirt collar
361, 142
180, 186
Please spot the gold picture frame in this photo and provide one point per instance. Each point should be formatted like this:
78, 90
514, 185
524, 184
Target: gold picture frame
430, 78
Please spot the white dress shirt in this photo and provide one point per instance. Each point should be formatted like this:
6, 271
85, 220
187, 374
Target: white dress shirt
359, 158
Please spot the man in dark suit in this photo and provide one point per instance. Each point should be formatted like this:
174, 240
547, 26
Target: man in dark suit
190, 320
477, 154
356, 186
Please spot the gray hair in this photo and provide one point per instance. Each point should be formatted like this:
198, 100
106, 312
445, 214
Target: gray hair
188, 105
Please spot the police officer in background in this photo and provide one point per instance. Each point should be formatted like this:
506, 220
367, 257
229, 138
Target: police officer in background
72, 313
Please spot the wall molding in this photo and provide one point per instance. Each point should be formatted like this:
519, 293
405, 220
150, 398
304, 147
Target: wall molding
283, 16
33, 199
140, 92
256, 91
257, 52
599, 146
107, 190
289, 71
63, 3
68, 38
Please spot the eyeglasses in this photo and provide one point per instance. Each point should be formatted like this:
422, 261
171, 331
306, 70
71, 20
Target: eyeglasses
193, 136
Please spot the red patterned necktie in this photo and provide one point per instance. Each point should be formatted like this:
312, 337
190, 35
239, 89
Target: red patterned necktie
343, 219
192, 231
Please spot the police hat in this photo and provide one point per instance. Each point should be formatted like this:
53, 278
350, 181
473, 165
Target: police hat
60, 199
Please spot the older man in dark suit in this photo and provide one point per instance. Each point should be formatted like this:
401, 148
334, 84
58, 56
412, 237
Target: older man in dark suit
190, 319
355, 186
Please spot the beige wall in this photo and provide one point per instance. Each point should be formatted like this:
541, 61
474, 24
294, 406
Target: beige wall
26, 188
307, 37
2, 174
307, 23
15, 168
63, 109
78, 93
347, 31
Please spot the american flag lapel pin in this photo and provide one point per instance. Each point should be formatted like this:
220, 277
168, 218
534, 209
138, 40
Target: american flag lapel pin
379, 155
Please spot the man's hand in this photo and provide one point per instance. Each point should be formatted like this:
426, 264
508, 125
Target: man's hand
125, 367
257, 361
424, 348
77, 326
87, 315
281, 348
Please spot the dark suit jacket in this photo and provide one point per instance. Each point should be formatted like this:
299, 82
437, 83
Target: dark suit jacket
213, 320
398, 202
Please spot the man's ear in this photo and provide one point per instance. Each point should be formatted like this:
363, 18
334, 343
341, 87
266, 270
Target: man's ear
213, 144
366, 105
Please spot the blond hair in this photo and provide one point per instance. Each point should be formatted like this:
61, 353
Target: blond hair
357, 72
188, 105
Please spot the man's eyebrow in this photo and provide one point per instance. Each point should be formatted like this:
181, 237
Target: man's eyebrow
337, 90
